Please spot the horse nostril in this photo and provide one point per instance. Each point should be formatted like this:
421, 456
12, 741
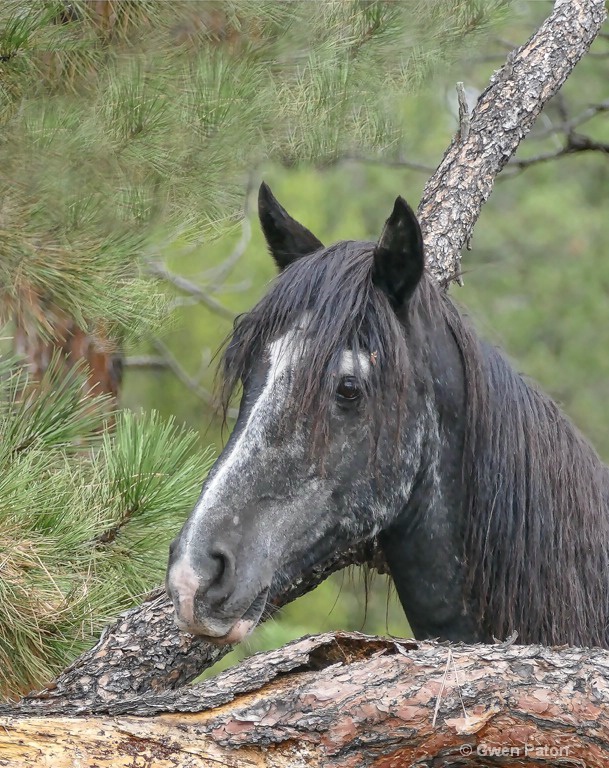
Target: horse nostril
223, 579
221, 562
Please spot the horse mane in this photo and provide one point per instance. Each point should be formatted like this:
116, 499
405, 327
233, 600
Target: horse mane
536, 512
537, 506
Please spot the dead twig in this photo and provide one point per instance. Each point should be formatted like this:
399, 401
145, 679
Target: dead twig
165, 360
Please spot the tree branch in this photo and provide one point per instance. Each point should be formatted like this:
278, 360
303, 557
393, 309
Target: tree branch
192, 289
504, 114
217, 275
144, 650
400, 162
146, 362
188, 381
165, 361
574, 143
570, 124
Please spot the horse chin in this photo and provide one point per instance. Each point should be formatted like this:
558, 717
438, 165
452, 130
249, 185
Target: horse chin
240, 629
239, 632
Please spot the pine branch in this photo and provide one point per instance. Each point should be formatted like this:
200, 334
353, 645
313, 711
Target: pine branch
97, 161
85, 517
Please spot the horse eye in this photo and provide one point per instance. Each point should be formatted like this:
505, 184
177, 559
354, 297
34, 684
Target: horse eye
348, 390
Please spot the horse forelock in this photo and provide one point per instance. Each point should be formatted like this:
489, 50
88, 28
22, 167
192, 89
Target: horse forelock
330, 299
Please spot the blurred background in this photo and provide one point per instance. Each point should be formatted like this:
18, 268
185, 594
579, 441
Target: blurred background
133, 142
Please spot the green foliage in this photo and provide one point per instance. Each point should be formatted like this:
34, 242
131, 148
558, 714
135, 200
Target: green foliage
85, 517
54, 414
125, 124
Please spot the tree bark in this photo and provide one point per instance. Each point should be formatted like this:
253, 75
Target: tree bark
144, 650
74, 345
504, 114
347, 700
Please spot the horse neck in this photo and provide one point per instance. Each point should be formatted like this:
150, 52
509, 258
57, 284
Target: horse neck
424, 547
507, 527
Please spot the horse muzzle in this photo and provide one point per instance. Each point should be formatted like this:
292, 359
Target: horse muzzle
211, 608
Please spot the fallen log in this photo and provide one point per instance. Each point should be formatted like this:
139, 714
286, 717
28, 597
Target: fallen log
345, 700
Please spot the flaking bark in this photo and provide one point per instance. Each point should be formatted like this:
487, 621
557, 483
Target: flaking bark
143, 650
347, 700
504, 114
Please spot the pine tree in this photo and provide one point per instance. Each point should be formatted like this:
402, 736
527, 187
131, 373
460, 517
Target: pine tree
127, 127
85, 516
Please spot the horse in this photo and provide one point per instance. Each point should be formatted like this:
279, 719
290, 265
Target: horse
370, 409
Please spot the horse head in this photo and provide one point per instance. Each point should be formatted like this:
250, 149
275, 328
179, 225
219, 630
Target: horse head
326, 379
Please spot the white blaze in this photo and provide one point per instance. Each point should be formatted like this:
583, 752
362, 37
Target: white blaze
347, 363
283, 355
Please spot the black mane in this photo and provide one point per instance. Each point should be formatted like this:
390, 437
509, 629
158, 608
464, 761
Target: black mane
537, 519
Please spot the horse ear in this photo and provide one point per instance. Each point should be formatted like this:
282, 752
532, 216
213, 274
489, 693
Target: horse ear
398, 257
286, 238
